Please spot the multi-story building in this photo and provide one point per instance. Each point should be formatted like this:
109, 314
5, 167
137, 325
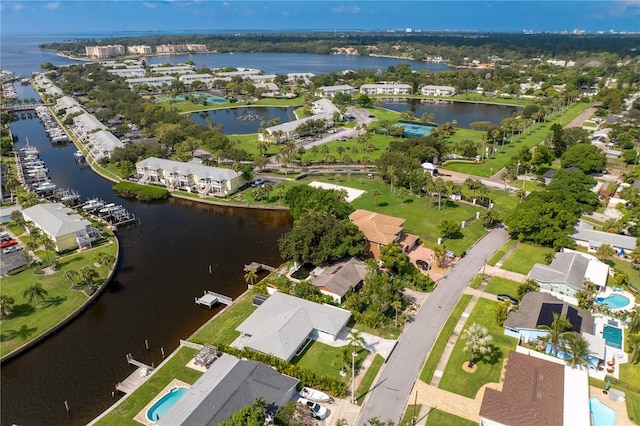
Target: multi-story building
197, 47
385, 89
331, 91
102, 52
431, 90
168, 49
140, 50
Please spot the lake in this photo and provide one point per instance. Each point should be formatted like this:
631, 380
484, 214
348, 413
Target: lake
244, 119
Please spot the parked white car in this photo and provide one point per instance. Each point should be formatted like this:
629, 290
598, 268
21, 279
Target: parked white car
11, 249
318, 411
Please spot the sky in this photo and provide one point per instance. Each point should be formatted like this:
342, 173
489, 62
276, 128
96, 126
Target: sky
167, 16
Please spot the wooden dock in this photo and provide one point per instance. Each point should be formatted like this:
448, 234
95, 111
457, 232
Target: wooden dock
135, 379
257, 267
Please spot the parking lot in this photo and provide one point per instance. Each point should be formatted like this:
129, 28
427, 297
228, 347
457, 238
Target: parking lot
10, 261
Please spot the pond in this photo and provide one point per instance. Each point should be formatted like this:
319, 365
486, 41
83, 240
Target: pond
464, 112
244, 119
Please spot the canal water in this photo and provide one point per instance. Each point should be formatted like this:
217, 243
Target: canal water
165, 263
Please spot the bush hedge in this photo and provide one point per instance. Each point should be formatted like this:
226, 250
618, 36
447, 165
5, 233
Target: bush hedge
140, 192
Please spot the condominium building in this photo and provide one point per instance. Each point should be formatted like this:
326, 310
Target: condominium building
385, 89
168, 49
331, 91
140, 50
431, 90
102, 52
197, 47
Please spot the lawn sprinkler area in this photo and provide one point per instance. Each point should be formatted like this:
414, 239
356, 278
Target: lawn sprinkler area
415, 130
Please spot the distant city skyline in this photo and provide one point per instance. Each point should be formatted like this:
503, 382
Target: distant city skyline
166, 16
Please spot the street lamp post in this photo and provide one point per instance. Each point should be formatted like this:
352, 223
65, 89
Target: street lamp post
353, 376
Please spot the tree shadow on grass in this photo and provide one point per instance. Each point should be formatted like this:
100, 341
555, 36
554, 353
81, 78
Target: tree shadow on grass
68, 262
54, 301
22, 310
493, 357
22, 333
383, 204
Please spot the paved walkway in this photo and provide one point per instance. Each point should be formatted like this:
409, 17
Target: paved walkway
494, 271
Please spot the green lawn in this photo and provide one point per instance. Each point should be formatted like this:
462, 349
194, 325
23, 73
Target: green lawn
529, 139
489, 367
498, 285
29, 321
476, 282
498, 255
524, 257
411, 412
633, 405
173, 369
441, 342
442, 418
222, 329
325, 360
367, 380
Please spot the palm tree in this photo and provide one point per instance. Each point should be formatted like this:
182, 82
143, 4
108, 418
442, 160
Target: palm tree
88, 274
577, 348
477, 340
557, 331
72, 275
356, 341
375, 194
6, 303
251, 276
396, 305
35, 292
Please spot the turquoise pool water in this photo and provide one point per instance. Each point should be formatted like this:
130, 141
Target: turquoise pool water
415, 129
161, 406
603, 415
614, 301
613, 336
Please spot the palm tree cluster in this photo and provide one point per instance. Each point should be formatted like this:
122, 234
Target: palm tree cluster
573, 345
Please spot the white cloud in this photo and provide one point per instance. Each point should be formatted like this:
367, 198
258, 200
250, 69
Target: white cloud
52, 6
149, 5
345, 9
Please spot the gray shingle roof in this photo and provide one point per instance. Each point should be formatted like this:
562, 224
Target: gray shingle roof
566, 268
584, 233
341, 276
282, 323
55, 219
229, 385
199, 170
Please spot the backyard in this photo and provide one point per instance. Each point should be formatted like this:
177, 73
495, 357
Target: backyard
525, 256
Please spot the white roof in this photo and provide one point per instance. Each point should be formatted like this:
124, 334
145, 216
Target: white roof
199, 170
282, 323
55, 219
596, 345
576, 410
597, 273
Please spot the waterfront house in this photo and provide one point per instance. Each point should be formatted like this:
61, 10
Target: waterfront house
225, 388
380, 230
65, 228
283, 325
385, 89
331, 91
339, 278
323, 110
537, 391
191, 177
568, 271
432, 90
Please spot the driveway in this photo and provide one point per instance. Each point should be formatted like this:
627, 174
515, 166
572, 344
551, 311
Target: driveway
390, 393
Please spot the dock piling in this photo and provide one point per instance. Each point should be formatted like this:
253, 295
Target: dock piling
146, 344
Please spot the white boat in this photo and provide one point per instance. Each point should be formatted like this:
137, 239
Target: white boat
314, 395
109, 208
46, 186
92, 205
78, 154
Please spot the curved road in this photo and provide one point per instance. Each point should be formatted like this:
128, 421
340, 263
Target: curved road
390, 393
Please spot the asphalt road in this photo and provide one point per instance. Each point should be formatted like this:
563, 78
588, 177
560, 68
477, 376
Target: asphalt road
389, 395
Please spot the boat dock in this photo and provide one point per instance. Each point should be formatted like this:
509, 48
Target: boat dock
135, 379
210, 298
257, 267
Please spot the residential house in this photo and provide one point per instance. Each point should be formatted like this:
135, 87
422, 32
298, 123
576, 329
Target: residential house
380, 230
192, 176
568, 271
229, 385
537, 391
385, 89
66, 229
284, 324
431, 90
551, 173
339, 278
586, 236
323, 109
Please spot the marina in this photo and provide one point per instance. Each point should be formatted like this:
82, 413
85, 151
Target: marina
56, 134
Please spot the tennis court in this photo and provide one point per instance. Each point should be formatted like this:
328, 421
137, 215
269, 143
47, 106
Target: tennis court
415, 130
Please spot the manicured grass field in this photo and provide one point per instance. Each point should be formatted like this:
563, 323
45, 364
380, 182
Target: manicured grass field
29, 321
411, 412
326, 360
524, 257
498, 255
367, 380
489, 367
441, 342
173, 369
222, 330
499, 285
441, 418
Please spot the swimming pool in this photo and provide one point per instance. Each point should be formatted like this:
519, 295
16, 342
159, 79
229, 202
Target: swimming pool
612, 336
161, 406
614, 301
603, 415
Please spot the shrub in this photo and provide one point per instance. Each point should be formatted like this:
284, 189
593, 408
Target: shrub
140, 192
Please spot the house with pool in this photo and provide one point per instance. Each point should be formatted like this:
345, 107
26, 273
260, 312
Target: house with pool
192, 176
568, 271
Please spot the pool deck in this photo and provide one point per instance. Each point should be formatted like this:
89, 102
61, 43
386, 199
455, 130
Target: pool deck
620, 407
141, 417
609, 292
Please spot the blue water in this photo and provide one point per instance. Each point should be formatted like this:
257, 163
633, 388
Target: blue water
603, 415
614, 301
415, 130
613, 336
161, 406
243, 120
